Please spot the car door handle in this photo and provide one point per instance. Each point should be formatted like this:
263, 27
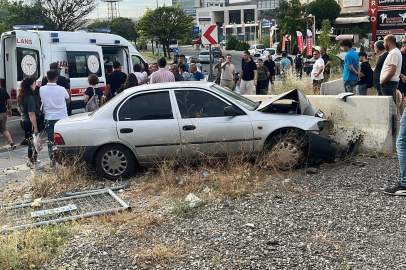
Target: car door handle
126, 130
189, 127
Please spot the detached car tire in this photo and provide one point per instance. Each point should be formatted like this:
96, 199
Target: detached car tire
114, 162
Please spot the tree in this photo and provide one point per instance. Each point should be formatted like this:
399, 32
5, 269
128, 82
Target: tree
124, 27
324, 40
59, 15
97, 24
323, 10
164, 23
291, 19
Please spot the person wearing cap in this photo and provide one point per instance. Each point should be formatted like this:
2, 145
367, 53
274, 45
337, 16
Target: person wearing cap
62, 81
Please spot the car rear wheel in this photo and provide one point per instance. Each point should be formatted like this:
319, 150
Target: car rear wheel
115, 161
287, 149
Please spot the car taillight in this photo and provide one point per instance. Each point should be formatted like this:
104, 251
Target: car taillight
58, 140
306, 64
13, 94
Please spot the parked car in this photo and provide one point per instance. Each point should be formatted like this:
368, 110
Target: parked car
272, 52
147, 124
256, 49
216, 51
204, 57
308, 64
278, 63
197, 41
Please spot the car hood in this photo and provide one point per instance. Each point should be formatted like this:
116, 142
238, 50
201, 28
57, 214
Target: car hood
293, 95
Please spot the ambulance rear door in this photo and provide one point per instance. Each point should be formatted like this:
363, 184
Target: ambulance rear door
21, 53
84, 60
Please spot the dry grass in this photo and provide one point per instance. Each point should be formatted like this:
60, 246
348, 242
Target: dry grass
137, 224
232, 175
69, 176
162, 254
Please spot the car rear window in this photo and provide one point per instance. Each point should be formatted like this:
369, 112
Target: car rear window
260, 47
204, 53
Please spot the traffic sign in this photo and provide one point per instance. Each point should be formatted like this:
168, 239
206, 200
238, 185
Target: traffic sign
204, 19
176, 50
209, 35
287, 37
190, 11
195, 30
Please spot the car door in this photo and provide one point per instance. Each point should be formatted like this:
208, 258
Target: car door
146, 121
202, 122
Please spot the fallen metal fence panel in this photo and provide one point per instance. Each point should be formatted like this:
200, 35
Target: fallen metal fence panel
61, 210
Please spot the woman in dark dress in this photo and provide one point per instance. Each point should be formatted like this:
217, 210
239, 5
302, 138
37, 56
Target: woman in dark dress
30, 115
131, 81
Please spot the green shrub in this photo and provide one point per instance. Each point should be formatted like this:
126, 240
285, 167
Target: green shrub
279, 47
185, 41
231, 43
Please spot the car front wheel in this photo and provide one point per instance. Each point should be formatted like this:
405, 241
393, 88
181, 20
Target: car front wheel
287, 149
114, 162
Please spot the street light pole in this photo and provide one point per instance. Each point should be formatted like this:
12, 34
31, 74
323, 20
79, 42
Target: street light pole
255, 34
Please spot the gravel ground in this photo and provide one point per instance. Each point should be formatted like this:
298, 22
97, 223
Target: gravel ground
337, 218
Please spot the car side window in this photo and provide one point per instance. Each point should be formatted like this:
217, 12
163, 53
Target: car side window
148, 106
136, 60
199, 104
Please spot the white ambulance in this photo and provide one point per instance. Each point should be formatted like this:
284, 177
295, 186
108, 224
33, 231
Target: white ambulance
26, 52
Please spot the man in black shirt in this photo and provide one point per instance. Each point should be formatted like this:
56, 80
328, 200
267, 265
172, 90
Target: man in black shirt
270, 64
115, 80
5, 110
327, 63
249, 76
382, 53
175, 70
62, 81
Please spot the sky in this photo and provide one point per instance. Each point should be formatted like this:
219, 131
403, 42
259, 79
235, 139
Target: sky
128, 8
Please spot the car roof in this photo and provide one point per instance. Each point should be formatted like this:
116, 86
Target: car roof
169, 85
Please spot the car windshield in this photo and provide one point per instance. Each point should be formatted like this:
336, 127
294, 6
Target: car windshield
271, 51
216, 49
204, 53
260, 47
240, 100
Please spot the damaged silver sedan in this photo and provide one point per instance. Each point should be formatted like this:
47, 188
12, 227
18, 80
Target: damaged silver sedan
150, 123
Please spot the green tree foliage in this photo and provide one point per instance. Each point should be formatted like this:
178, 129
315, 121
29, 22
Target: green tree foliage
59, 15
291, 19
97, 24
231, 43
323, 10
265, 40
324, 40
360, 29
164, 23
124, 27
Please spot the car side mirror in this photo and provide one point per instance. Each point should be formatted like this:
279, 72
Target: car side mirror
231, 111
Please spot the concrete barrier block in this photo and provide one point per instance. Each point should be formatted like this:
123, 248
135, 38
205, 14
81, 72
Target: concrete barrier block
332, 87
372, 118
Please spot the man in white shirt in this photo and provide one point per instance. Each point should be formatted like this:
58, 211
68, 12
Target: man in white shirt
389, 78
54, 99
317, 72
265, 54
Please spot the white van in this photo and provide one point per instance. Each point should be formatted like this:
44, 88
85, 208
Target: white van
29, 52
